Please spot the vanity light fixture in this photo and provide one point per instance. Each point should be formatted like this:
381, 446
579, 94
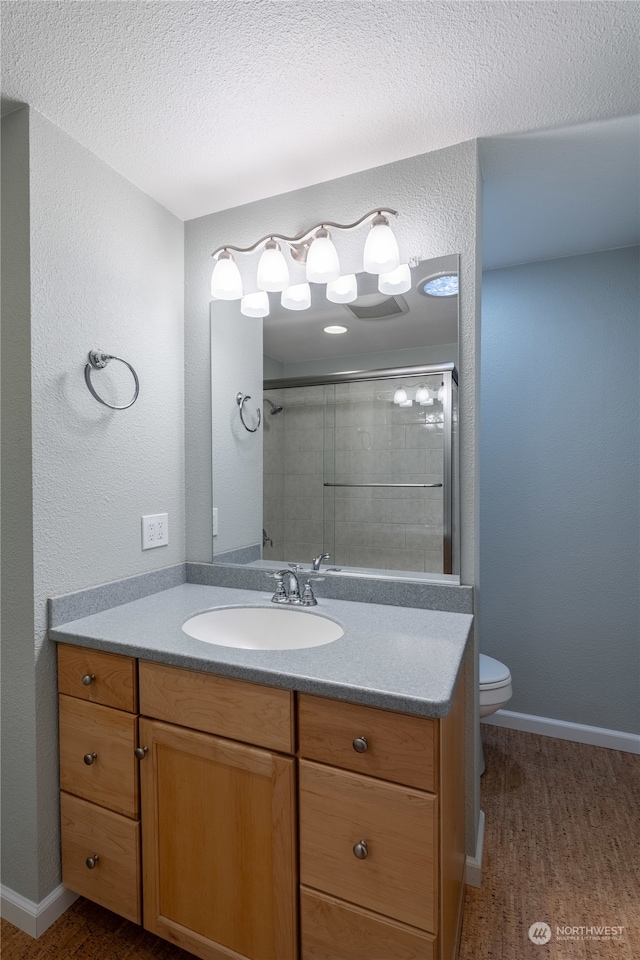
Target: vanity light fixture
255, 304
423, 396
323, 265
381, 253
336, 329
400, 396
273, 271
343, 290
296, 297
396, 281
315, 249
226, 282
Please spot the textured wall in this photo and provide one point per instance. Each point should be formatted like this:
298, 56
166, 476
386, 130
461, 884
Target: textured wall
19, 823
560, 485
106, 271
438, 200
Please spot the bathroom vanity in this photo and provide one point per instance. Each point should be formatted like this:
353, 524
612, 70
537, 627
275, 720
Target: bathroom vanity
270, 821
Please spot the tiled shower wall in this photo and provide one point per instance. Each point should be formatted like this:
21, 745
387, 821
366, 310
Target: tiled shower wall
354, 433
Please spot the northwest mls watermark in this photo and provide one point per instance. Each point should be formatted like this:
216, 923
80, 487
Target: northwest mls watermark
540, 932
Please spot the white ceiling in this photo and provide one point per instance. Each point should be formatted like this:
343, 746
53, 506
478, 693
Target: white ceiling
212, 104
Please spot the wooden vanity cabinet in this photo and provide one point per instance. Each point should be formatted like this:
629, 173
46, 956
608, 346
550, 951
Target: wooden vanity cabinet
203, 771
381, 808
100, 800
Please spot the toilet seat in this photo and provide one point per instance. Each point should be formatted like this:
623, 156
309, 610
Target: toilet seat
492, 673
495, 685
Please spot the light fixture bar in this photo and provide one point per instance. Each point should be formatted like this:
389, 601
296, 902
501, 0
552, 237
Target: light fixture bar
300, 237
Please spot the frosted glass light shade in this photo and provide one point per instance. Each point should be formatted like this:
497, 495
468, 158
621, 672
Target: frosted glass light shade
297, 297
343, 290
441, 394
323, 265
396, 281
273, 272
422, 394
381, 254
255, 304
226, 282
400, 395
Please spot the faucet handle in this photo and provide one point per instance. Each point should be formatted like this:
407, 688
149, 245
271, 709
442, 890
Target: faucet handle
280, 596
295, 567
308, 596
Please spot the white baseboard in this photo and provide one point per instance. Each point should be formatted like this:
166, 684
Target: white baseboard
565, 730
35, 918
473, 870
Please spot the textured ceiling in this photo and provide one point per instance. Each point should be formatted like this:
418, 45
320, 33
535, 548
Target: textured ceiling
212, 104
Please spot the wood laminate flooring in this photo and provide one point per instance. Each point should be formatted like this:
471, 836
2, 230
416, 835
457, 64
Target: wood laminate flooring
562, 845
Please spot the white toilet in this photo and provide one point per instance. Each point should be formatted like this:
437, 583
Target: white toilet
495, 685
495, 690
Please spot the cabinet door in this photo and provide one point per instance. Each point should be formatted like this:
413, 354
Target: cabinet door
218, 845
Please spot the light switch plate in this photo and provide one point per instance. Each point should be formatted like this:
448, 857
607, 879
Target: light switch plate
215, 521
155, 530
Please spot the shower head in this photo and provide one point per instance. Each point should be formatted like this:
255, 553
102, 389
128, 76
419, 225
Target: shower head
275, 407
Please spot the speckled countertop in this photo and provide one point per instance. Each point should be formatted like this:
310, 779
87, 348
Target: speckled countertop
399, 658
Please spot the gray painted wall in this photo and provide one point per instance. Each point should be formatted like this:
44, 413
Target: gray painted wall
438, 199
236, 366
106, 266
560, 487
19, 814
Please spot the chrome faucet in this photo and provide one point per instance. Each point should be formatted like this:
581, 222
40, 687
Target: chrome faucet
288, 588
315, 563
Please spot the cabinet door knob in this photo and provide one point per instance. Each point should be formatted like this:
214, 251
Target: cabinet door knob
360, 744
361, 850
92, 862
141, 752
88, 679
89, 758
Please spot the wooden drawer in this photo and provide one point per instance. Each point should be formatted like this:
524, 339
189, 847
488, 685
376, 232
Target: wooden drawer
88, 830
114, 677
111, 780
235, 709
398, 747
398, 878
334, 930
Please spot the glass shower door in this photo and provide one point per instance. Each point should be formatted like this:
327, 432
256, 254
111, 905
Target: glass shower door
383, 483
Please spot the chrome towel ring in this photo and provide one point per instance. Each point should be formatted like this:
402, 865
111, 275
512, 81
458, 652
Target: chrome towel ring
241, 399
98, 361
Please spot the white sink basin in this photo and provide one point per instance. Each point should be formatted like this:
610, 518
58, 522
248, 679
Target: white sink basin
262, 628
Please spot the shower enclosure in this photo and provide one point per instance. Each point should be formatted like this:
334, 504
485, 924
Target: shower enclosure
363, 466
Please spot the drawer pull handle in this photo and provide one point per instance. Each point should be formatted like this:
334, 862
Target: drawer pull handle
360, 744
141, 752
92, 862
88, 679
89, 758
361, 850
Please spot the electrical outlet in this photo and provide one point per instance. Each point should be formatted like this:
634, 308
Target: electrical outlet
215, 521
155, 530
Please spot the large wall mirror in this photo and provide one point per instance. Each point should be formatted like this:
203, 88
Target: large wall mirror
346, 444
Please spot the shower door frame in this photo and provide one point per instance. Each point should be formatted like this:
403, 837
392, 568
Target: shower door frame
449, 376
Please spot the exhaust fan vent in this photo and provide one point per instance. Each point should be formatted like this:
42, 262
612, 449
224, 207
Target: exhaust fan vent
377, 307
